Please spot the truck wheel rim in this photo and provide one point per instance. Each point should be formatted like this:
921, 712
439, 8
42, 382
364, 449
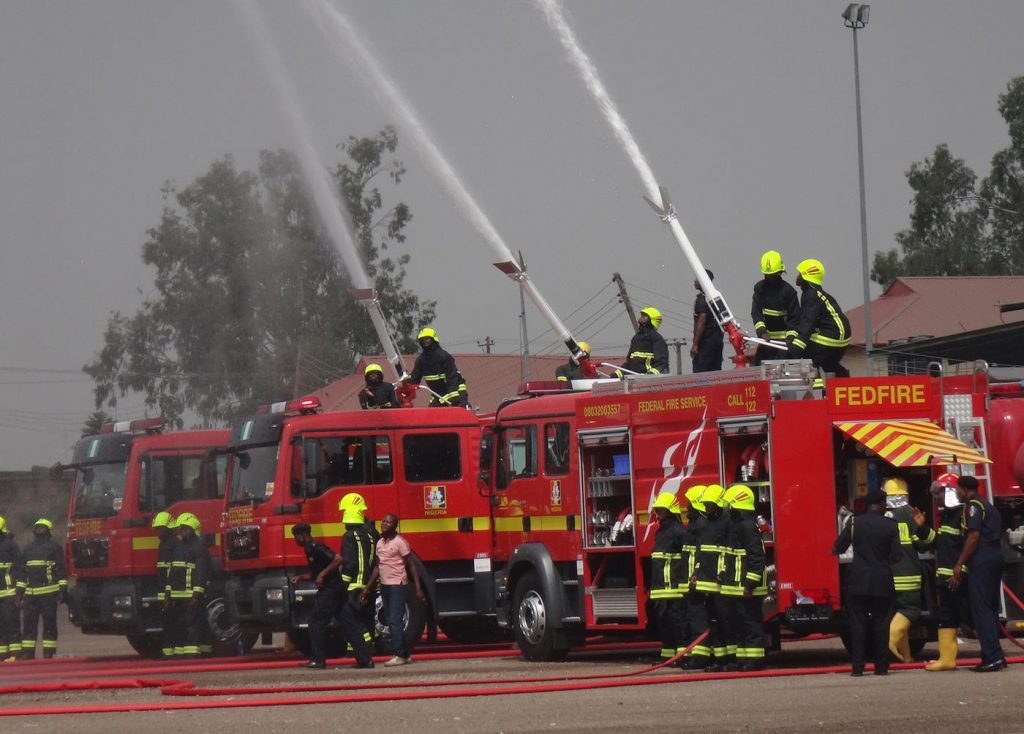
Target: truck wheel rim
533, 618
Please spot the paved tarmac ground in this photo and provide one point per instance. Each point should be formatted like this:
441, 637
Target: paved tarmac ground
905, 701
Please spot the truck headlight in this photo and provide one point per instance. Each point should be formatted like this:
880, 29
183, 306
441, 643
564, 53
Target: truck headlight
123, 601
274, 594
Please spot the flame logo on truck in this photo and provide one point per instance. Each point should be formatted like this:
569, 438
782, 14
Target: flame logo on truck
677, 471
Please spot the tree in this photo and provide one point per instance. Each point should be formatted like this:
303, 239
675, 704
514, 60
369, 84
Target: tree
93, 423
251, 301
958, 227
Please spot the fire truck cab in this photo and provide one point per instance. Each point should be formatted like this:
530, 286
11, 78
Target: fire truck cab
124, 476
575, 475
295, 465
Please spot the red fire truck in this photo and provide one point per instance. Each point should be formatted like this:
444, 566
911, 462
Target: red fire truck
293, 464
572, 473
124, 475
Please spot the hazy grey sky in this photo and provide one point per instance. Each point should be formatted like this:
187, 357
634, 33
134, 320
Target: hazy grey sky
745, 111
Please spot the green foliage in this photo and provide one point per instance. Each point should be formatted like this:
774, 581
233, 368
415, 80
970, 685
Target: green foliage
92, 424
252, 302
958, 227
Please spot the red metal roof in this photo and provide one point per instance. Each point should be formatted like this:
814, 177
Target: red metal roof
490, 378
938, 306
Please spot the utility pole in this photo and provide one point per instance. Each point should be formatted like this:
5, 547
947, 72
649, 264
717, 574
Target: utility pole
298, 373
486, 344
624, 297
522, 316
678, 344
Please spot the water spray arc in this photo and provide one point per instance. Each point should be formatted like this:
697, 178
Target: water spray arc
345, 36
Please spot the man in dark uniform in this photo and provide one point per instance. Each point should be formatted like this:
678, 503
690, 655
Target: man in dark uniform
323, 571
954, 606
775, 307
706, 347
570, 370
185, 593
435, 367
42, 585
748, 576
668, 575
357, 558
696, 601
10, 619
869, 586
648, 352
165, 525
983, 558
377, 393
714, 537
823, 332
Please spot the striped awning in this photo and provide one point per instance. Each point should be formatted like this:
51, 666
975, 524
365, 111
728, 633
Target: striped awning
911, 443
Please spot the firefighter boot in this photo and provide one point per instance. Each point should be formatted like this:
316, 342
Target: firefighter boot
947, 651
899, 637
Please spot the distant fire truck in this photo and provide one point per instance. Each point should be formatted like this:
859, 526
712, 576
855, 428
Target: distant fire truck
124, 476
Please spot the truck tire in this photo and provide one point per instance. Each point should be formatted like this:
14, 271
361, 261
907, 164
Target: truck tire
533, 631
415, 623
226, 636
146, 645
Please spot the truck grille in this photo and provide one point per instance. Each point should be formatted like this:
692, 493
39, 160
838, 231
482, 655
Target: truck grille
243, 541
90, 552
615, 603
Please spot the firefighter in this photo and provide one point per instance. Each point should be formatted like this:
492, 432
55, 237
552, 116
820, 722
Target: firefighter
954, 606
435, 367
648, 352
43, 584
185, 594
357, 558
166, 526
668, 574
869, 587
10, 619
823, 332
982, 556
775, 307
706, 348
378, 393
748, 585
570, 370
323, 571
906, 574
707, 573
696, 601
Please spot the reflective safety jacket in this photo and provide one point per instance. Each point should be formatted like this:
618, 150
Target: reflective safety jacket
949, 541
669, 566
358, 554
906, 572
567, 372
43, 570
775, 308
10, 559
436, 368
164, 558
713, 540
189, 573
746, 547
648, 352
821, 321
382, 396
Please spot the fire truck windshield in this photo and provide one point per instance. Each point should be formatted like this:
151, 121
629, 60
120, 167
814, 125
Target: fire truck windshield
252, 475
171, 478
99, 489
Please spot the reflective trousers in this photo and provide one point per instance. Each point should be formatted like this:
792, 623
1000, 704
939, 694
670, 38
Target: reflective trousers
43, 606
698, 620
189, 633
671, 617
10, 628
749, 628
954, 606
353, 629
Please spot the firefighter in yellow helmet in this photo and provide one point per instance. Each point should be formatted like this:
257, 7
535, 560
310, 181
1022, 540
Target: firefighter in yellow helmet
775, 307
708, 340
165, 526
747, 585
915, 536
669, 579
436, 368
696, 601
378, 392
711, 547
954, 605
823, 331
358, 554
648, 352
43, 585
187, 586
570, 370
10, 618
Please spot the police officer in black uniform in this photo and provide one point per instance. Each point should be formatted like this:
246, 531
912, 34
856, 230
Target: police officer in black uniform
983, 558
378, 393
870, 591
324, 565
706, 348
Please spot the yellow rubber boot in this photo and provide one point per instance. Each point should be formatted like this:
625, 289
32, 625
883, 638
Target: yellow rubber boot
947, 651
899, 637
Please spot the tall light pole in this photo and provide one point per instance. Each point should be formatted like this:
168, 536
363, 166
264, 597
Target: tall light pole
856, 17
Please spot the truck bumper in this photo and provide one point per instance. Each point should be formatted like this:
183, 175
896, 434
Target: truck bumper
265, 601
115, 606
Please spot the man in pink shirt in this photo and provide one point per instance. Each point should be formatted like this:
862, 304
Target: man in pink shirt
394, 568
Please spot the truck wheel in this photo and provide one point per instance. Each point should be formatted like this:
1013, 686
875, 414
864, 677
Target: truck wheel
146, 645
227, 637
415, 623
533, 630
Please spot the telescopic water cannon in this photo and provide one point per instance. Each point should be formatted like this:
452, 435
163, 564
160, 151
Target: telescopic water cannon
516, 273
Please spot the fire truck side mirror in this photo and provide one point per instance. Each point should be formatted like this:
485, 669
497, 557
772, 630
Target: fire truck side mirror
56, 471
483, 481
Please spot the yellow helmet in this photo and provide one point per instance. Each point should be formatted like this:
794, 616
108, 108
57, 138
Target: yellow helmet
713, 494
3, 525
740, 497
693, 496
373, 367
163, 519
352, 500
425, 332
653, 314
188, 520
584, 347
896, 486
771, 263
669, 501
353, 516
44, 522
811, 270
